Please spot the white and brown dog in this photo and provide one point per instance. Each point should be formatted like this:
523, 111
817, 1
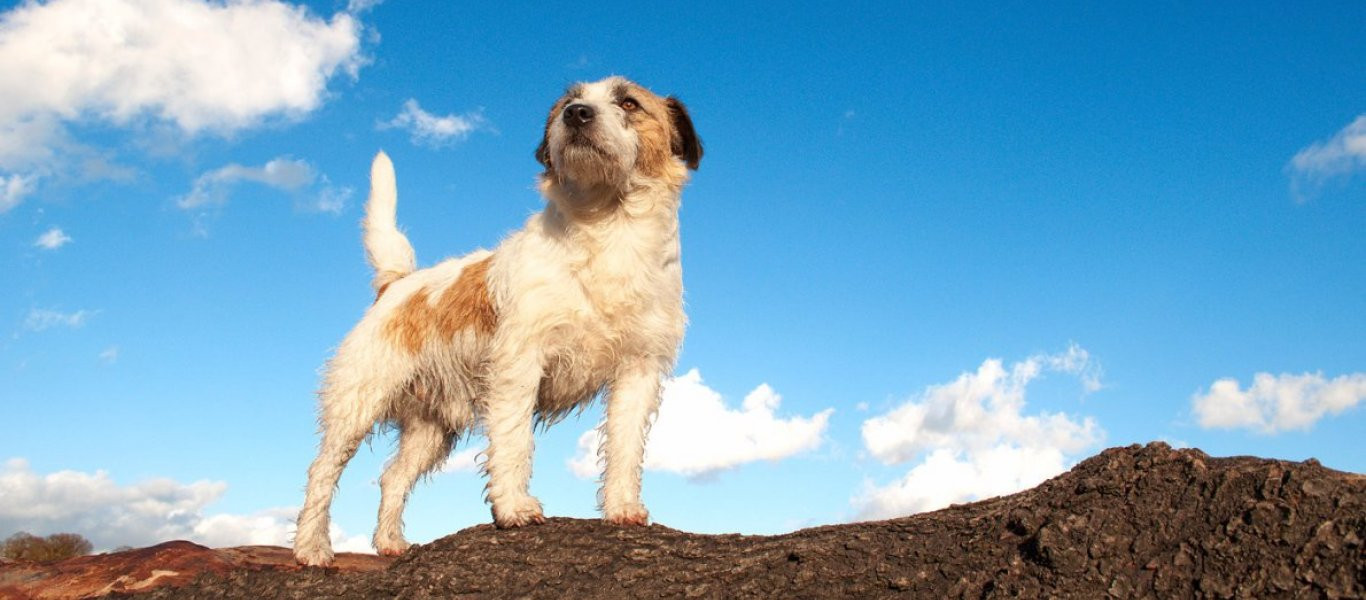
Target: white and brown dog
586, 298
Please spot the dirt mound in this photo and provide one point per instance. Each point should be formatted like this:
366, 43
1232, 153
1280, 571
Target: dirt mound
1139, 521
167, 564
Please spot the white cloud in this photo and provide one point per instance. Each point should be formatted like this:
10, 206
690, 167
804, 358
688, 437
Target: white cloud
431, 130
971, 438
13, 188
464, 461
1276, 403
194, 65
110, 355
732, 437
360, 6
977, 411
52, 239
280, 173
329, 199
1076, 361
200, 65
947, 476
295, 176
141, 514
1338, 156
40, 319
1175, 443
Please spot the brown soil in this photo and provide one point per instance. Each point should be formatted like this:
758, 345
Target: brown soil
1141, 521
167, 564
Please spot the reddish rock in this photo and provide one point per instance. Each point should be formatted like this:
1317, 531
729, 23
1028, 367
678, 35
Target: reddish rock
170, 563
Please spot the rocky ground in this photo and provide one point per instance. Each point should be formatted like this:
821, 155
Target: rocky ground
1140, 521
169, 564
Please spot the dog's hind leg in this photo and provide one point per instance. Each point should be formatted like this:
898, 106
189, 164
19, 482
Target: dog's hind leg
353, 400
312, 546
422, 445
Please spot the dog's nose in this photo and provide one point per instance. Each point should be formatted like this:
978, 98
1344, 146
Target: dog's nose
578, 114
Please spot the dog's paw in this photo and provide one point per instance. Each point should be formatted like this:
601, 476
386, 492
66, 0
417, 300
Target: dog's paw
517, 512
313, 556
633, 515
392, 548
389, 541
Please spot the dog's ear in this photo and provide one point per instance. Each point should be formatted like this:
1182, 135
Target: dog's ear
543, 150
686, 144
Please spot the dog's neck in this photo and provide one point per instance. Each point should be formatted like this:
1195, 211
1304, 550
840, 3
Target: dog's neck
583, 204
574, 207
643, 215
623, 246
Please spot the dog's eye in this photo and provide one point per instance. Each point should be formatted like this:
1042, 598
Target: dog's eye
629, 104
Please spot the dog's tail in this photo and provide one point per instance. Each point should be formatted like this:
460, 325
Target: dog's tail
388, 249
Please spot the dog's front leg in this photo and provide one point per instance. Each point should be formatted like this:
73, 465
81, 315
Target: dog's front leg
631, 403
509, 405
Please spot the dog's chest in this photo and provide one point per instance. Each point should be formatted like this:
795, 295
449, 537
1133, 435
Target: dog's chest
622, 307
627, 270
624, 286
626, 295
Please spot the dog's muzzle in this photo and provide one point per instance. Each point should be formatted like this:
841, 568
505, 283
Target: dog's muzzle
578, 115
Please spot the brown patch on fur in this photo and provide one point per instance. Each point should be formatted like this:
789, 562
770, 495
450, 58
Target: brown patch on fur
654, 158
665, 131
655, 129
463, 305
467, 303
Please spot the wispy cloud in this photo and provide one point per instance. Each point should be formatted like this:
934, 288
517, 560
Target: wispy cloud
112, 515
971, 438
109, 355
1340, 156
360, 6
580, 63
330, 199
13, 189
845, 118
40, 319
52, 239
314, 191
1276, 403
280, 173
434, 131
751, 433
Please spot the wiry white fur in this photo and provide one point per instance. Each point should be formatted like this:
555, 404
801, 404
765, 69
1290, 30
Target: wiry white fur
589, 299
386, 247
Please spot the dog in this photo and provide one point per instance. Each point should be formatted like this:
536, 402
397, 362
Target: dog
586, 299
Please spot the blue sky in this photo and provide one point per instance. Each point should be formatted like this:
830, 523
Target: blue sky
932, 254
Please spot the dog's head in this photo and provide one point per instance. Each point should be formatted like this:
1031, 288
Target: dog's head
608, 132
